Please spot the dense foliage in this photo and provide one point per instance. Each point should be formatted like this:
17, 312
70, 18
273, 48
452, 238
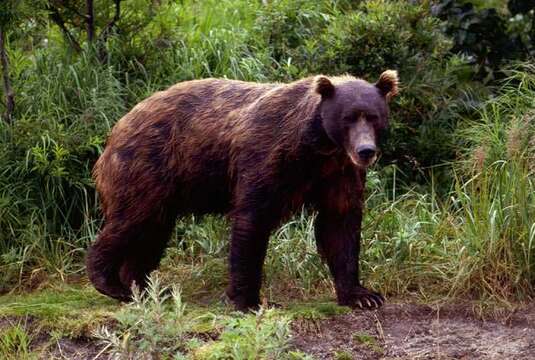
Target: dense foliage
442, 217
489, 36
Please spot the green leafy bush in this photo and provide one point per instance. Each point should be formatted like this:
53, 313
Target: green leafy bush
264, 335
490, 37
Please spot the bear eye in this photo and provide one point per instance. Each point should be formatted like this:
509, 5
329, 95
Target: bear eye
372, 118
356, 116
350, 118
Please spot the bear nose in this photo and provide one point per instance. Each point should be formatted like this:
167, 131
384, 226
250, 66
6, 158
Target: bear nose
366, 152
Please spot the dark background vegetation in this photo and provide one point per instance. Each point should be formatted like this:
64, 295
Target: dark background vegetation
450, 205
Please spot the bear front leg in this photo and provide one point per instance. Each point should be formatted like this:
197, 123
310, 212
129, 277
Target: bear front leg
338, 240
248, 247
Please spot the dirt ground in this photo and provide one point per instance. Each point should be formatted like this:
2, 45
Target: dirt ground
408, 331
397, 331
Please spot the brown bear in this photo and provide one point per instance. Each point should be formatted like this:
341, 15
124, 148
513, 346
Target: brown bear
256, 152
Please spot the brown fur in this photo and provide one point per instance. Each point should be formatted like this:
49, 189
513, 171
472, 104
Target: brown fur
257, 152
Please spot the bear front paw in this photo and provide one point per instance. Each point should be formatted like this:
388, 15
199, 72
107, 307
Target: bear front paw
363, 298
242, 302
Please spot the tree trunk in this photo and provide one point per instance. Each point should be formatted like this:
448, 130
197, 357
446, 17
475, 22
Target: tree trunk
103, 37
58, 20
8, 91
105, 33
90, 21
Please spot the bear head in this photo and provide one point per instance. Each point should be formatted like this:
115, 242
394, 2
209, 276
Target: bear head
354, 113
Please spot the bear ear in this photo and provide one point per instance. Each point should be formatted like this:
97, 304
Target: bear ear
388, 84
324, 86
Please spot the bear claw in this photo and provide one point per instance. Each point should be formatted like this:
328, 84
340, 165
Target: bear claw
365, 299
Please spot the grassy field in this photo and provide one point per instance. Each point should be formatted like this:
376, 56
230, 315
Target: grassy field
449, 229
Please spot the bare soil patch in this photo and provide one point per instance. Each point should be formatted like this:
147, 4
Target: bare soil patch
79, 349
409, 331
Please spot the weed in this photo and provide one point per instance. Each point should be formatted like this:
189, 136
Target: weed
369, 341
342, 355
157, 324
153, 324
317, 310
263, 335
15, 343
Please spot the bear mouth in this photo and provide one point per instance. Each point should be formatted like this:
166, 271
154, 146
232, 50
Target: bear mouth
361, 163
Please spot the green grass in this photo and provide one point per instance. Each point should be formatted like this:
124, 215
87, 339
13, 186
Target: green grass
63, 310
316, 310
368, 341
478, 240
342, 355
15, 343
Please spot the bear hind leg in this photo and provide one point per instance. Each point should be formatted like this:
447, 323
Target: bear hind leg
145, 253
122, 256
104, 259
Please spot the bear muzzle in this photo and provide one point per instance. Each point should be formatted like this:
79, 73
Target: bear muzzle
366, 152
364, 156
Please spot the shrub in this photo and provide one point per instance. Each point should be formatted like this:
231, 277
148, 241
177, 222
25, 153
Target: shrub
489, 36
157, 325
264, 335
